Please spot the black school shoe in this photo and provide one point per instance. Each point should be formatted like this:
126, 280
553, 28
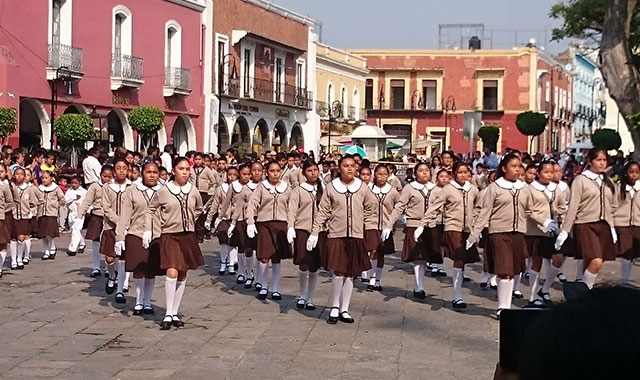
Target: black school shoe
333, 320
137, 310
120, 298
459, 304
166, 323
419, 294
110, 285
346, 317
176, 321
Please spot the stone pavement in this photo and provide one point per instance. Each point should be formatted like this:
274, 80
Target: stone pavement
57, 323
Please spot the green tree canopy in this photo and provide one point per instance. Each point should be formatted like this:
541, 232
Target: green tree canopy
606, 138
531, 123
146, 119
490, 134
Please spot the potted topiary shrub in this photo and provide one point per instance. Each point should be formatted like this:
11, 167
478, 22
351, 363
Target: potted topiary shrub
146, 120
531, 124
490, 134
73, 131
606, 138
8, 122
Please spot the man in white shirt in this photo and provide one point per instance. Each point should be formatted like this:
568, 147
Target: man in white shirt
73, 198
91, 167
167, 157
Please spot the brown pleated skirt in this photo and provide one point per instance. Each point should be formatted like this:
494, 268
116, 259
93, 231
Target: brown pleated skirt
223, 228
21, 227
540, 246
35, 227
420, 250
143, 260
47, 227
484, 240
454, 247
300, 254
322, 249
272, 241
373, 242
9, 223
347, 256
107, 244
180, 251
5, 235
506, 254
628, 245
94, 227
435, 242
241, 240
200, 230
594, 241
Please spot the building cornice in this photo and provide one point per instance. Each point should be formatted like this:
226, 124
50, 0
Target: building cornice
198, 5
345, 52
442, 52
359, 76
271, 7
326, 61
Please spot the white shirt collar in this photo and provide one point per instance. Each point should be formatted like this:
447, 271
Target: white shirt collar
342, 188
236, 186
119, 188
225, 187
591, 175
252, 185
466, 187
309, 187
142, 187
48, 188
563, 186
23, 186
137, 181
424, 188
175, 189
4, 182
279, 188
540, 187
635, 187
508, 185
380, 190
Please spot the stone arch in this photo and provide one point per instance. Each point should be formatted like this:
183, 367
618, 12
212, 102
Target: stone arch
260, 138
183, 135
297, 137
35, 125
76, 108
241, 137
279, 140
223, 136
118, 127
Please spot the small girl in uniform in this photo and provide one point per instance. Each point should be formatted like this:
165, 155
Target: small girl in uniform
266, 217
203, 178
179, 205
436, 261
364, 174
627, 218
228, 254
26, 197
53, 199
6, 205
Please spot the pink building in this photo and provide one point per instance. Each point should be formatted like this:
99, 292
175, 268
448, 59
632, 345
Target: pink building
103, 58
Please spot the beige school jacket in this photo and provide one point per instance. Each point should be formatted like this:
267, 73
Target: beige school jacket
92, 200
413, 202
395, 182
591, 201
25, 198
178, 208
269, 202
112, 204
546, 204
204, 179
293, 176
135, 202
481, 182
6, 198
214, 205
459, 205
241, 201
53, 199
628, 209
303, 207
386, 198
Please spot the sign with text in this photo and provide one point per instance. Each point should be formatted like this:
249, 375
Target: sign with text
471, 122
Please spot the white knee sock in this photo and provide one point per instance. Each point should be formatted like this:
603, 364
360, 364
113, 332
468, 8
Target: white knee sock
336, 290
148, 290
625, 270
27, 248
505, 290
485, 277
533, 284
589, 278
579, 269
550, 277
95, 254
19, 252
180, 285
311, 287
126, 279
241, 265
546, 265
170, 293
52, 244
303, 280
233, 255
262, 275
249, 265
13, 249
3, 256
418, 271
493, 281
378, 275
456, 276
224, 253
516, 281
139, 284
277, 273
372, 271
528, 261
345, 294
111, 270
122, 276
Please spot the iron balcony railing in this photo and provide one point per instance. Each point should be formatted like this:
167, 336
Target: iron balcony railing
126, 66
65, 55
268, 91
177, 77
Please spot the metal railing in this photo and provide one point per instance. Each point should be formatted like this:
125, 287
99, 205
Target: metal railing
267, 91
177, 77
126, 66
405, 107
65, 55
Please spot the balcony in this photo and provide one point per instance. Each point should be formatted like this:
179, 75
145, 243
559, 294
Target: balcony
403, 108
126, 71
176, 81
353, 114
65, 56
266, 91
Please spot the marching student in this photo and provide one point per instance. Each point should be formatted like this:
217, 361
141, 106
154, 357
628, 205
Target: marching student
52, 199
73, 199
481, 178
266, 217
179, 205
228, 254
346, 205
386, 197
413, 202
393, 179
240, 196
143, 262
292, 173
364, 174
112, 205
325, 174
436, 261
25, 256
92, 203
627, 218
590, 214
6, 218
460, 202
303, 208
569, 247
505, 207
203, 178
25, 197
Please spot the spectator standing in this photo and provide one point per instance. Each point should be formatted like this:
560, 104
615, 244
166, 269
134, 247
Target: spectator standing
91, 167
167, 156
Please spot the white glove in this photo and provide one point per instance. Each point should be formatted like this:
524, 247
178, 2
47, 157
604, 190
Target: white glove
417, 233
77, 224
216, 223
252, 231
230, 230
469, 244
551, 225
207, 225
312, 242
614, 235
384, 235
119, 247
562, 237
146, 239
291, 234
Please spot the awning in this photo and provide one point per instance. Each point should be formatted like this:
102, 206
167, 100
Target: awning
336, 140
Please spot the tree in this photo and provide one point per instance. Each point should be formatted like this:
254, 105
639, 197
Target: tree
490, 134
8, 122
531, 123
146, 120
606, 138
73, 131
612, 27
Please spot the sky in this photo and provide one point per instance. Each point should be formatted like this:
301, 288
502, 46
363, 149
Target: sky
352, 24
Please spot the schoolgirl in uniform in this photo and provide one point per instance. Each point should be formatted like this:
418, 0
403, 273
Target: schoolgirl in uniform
28, 177
25, 197
179, 205
143, 262
266, 216
52, 200
364, 174
590, 214
460, 203
203, 178
228, 254
6, 206
569, 247
505, 206
346, 205
92, 203
413, 202
436, 261
237, 230
627, 218
303, 208
386, 197
112, 205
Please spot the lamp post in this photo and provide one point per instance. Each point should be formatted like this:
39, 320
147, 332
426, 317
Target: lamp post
335, 112
449, 105
380, 103
416, 95
98, 117
62, 73
234, 76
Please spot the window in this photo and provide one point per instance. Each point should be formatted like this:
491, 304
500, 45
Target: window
121, 44
490, 95
222, 48
429, 94
117, 40
343, 100
329, 94
55, 22
397, 94
279, 78
173, 45
60, 22
247, 70
368, 94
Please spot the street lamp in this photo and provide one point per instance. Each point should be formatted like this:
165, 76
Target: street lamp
449, 105
335, 112
380, 103
234, 76
416, 95
62, 73
98, 117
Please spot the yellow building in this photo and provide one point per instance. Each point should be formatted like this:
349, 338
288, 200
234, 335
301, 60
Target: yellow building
340, 87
